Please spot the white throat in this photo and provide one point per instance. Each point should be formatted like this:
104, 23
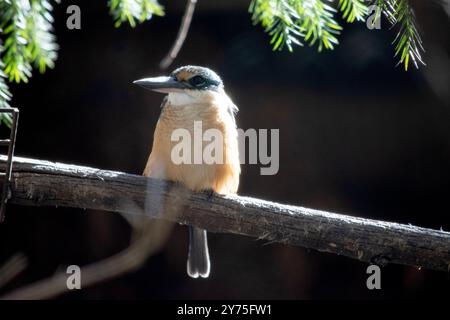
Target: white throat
181, 98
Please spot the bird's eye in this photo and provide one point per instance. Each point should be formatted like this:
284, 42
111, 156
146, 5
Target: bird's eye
197, 81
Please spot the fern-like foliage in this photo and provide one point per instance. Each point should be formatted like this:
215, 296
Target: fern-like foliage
5, 95
408, 42
41, 47
27, 28
27, 31
14, 26
134, 11
317, 22
278, 20
291, 22
353, 10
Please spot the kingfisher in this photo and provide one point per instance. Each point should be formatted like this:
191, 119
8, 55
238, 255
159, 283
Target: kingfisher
194, 94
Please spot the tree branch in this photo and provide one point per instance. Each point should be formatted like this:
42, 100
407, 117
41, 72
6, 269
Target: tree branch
181, 36
146, 242
43, 183
13, 267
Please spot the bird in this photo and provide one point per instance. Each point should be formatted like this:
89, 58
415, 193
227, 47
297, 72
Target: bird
193, 94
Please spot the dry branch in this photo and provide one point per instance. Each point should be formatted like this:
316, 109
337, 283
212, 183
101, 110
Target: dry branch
181, 36
13, 267
127, 260
43, 183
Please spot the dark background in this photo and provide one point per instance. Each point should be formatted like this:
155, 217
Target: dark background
357, 136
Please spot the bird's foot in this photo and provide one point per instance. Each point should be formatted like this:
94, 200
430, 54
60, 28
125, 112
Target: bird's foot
209, 194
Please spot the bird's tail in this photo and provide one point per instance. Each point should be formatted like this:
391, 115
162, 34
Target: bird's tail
198, 264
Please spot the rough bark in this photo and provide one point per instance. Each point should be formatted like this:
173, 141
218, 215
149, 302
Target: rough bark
43, 183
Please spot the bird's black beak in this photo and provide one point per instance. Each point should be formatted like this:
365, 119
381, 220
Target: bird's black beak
161, 84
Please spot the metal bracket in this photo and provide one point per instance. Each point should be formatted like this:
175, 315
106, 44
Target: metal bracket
10, 143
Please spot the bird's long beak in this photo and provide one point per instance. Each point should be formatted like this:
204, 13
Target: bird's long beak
161, 84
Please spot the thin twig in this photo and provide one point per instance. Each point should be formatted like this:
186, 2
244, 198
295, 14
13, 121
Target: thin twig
148, 238
12, 268
125, 261
181, 36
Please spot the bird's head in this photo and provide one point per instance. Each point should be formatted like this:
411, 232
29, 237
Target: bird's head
186, 84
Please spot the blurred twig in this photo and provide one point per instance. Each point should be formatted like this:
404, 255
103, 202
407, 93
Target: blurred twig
43, 183
181, 36
148, 238
13, 267
125, 261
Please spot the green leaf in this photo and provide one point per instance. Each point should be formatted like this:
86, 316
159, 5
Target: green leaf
407, 43
13, 21
5, 96
134, 11
291, 22
41, 47
353, 10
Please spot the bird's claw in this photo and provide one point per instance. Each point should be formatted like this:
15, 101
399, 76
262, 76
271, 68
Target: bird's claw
210, 194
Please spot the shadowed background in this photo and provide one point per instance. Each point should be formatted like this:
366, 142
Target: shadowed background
357, 136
